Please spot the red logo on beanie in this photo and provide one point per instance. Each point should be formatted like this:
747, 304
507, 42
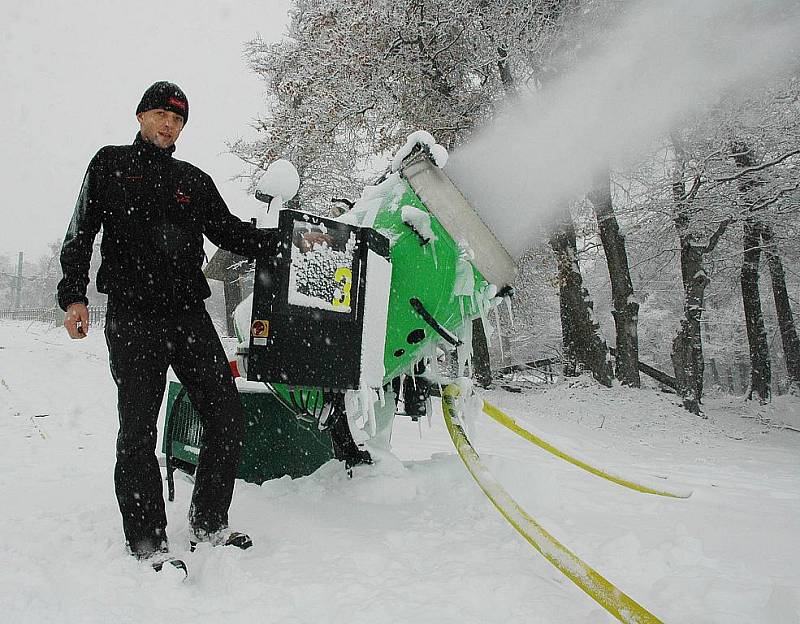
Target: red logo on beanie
179, 103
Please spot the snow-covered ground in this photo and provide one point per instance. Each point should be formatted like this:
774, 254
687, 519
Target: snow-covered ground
413, 539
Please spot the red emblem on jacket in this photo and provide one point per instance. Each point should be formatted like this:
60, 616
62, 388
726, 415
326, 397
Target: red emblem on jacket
182, 197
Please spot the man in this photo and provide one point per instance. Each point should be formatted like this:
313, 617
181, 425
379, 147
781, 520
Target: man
154, 211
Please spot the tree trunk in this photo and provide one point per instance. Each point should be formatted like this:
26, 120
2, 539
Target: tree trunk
730, 381
687, 347
742, 365
504, 69
760, 371
682, 356
583, 344
690, 339
626, 310
715, 378
789, 339
481, 370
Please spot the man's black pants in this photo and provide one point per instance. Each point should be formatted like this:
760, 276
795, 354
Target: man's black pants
141, 346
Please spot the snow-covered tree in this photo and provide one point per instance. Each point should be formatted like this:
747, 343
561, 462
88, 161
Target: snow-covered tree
703, 184
354, 77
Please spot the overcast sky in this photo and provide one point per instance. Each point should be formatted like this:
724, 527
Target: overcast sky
72, 75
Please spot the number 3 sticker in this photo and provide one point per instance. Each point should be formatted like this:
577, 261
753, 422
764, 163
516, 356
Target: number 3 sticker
343, 276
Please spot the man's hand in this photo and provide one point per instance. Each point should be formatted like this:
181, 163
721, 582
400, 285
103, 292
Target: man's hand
76, 320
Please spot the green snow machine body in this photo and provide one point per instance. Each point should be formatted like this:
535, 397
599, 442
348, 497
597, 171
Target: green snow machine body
330, 326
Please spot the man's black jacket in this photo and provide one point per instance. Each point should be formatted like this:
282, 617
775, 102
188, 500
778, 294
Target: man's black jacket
154, 211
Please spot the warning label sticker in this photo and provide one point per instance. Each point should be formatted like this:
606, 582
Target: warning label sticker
259, 329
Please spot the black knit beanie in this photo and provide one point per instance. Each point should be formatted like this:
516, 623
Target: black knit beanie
167, 96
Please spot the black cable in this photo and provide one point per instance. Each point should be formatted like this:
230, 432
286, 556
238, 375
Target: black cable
437, 327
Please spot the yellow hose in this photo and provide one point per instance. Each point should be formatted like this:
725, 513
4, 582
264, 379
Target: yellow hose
511, 424
621, 606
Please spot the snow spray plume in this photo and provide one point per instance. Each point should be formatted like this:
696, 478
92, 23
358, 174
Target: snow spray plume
662, 61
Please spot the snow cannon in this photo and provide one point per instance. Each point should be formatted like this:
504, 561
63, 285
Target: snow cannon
347, 305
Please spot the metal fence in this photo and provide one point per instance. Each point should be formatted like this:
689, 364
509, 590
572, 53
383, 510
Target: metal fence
53, 316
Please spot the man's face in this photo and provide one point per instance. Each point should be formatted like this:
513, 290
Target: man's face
160, 127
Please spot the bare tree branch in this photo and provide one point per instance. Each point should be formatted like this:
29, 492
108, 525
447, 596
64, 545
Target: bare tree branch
760, 167
714, 239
